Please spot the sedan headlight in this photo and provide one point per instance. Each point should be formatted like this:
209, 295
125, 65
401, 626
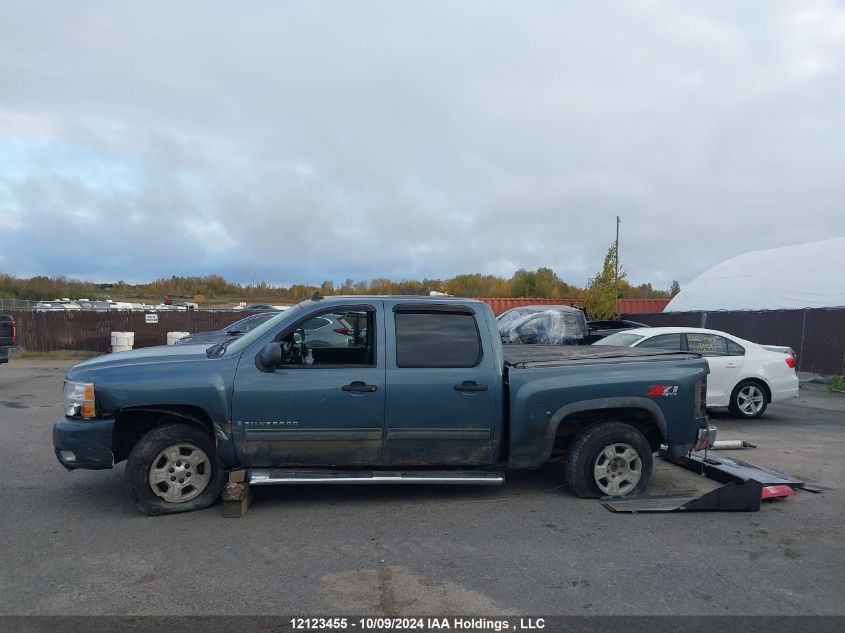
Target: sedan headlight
78, 399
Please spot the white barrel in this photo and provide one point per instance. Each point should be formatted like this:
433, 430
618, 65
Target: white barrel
172, 337
122, 341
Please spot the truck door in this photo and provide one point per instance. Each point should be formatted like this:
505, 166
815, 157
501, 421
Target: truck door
324, 406
443, 392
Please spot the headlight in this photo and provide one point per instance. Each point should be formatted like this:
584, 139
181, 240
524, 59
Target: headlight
78, 399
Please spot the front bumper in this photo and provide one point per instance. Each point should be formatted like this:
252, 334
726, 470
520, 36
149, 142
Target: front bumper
84, 443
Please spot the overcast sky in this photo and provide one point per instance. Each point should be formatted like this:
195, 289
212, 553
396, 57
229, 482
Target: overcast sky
304, 141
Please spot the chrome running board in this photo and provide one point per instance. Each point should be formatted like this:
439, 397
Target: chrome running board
267, 476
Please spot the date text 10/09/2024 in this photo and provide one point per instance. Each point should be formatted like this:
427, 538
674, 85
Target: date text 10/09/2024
416, 624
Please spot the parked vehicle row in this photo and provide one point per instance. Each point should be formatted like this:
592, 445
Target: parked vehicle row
411, 390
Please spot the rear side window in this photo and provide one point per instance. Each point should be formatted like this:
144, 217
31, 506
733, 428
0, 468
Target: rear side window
664, 341
735, 349
436, 339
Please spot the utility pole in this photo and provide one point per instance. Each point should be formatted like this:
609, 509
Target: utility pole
616, 278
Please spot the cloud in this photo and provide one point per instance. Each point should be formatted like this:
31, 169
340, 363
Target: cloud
326, 140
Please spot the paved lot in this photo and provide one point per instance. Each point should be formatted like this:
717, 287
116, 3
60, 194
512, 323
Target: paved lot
73, 544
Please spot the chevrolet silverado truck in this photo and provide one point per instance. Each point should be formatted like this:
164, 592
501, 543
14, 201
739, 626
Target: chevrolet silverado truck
408, 390
8, 336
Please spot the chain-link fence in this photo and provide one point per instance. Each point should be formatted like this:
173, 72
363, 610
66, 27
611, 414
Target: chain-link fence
16, 304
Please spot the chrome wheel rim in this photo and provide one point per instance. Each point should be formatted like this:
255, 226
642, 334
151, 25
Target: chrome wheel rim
180, 473
750, 400
617, 469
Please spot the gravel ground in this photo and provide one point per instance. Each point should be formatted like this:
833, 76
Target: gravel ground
74, 545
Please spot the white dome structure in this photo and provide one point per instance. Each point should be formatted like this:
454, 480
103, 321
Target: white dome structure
809, 275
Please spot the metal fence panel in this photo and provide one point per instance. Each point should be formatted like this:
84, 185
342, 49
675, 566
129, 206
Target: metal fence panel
824, 341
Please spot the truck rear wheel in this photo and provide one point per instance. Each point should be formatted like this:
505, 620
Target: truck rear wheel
174, 468
609, 459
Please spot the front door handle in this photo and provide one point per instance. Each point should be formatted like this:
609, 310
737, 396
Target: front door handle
470, 385
360, 386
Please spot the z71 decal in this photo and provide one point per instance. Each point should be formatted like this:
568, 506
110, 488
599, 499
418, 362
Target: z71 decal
663, 390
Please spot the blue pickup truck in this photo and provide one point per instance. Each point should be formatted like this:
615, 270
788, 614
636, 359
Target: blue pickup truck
407, 390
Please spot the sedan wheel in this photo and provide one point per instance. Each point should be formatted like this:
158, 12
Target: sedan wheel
748, 400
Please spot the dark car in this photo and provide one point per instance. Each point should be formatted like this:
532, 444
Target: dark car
236, 329
8, 336
260, 306
543, 325
601, 329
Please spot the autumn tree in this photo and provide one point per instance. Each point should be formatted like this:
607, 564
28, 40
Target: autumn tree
601, 294
674, 289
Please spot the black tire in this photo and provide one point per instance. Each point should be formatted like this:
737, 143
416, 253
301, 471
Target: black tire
150, 447
583, 454
740, 404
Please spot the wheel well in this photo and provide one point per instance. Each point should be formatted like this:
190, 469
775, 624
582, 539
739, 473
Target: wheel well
757, 381
132, 424
641, 419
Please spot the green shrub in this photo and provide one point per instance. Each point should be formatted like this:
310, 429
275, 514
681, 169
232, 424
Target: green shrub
837, 384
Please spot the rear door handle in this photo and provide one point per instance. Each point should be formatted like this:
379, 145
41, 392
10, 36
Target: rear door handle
731, 365
470, 385
360, 386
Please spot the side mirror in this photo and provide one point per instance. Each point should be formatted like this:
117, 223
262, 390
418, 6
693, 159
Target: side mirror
234, 332
270, 357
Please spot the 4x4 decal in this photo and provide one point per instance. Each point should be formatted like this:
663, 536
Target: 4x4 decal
663, 390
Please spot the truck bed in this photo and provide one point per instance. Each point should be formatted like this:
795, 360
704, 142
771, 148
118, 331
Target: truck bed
546, 355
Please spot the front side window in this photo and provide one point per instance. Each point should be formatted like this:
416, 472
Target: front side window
707, 344
436, 339
344, 337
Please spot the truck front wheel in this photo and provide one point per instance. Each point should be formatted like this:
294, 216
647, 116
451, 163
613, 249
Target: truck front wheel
174, 468
609, 459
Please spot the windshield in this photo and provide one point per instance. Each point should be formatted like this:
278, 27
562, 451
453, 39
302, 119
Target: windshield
238, 345
620, 339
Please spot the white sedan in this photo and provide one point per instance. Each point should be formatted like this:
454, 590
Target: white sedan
744, 376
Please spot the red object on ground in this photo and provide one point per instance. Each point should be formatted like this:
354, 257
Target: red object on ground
777, 492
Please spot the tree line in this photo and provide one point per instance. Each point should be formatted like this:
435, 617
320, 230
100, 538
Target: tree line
540, 283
